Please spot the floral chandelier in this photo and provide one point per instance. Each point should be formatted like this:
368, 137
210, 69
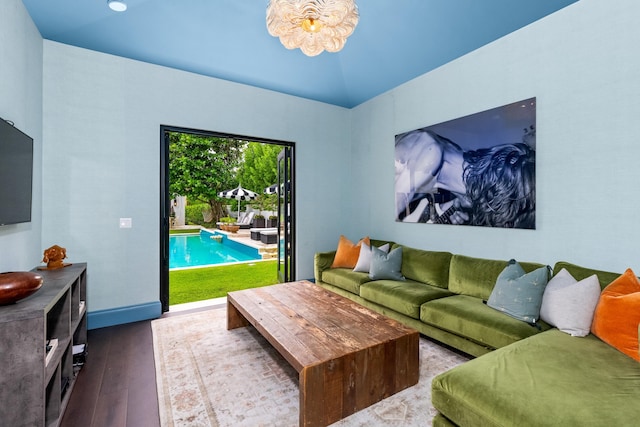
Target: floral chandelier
312, 25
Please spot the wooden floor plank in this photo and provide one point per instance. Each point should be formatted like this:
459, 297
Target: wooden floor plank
111, 409
117, 369
142, 381
86, 391
103, 396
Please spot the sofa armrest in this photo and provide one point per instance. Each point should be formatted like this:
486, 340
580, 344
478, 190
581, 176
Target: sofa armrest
322, 261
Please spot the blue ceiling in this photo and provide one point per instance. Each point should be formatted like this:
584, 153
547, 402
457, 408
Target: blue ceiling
394, 42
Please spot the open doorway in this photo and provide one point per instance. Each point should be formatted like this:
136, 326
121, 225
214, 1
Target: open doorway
218, 168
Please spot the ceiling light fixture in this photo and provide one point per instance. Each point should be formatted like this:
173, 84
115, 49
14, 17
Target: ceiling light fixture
117, 5
312, 25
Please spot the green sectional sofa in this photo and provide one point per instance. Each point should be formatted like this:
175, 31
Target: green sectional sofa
523, 375
442, 297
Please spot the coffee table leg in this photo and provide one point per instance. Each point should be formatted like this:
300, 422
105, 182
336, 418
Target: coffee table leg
327, 392
234, 318
312, 409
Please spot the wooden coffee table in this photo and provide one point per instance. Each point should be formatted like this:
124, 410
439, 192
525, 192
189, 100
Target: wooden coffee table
347, 356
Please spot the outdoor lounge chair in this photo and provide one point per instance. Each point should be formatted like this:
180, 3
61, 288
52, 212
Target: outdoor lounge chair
245, 221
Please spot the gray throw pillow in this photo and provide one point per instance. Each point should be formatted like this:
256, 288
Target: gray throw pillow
568, 304
518, 293
386, 266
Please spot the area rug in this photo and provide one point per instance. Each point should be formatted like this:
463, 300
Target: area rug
207, 376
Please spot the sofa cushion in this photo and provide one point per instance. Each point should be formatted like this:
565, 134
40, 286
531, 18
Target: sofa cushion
549, 379
469, 317
568, 304
426, 266
518, 293
617, 314
345, 278
404, 297
476, 277
386, 266
347, 253
579, 273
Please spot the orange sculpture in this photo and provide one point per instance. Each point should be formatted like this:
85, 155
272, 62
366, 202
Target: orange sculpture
53, 256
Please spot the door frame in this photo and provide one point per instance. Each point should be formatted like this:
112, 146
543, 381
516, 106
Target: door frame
165, 198
286, 214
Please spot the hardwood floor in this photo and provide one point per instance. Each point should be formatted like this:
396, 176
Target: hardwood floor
117, 385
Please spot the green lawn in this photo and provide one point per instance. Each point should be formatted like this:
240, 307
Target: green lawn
212, 282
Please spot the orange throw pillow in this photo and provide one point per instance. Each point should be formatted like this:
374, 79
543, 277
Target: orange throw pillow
617, 314
347, 253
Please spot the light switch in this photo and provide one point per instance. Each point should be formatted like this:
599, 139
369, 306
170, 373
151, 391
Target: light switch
125, 222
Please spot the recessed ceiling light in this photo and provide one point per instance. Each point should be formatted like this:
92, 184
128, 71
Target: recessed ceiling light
117, 5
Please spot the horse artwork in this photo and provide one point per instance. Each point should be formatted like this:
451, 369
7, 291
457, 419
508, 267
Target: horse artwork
475, 170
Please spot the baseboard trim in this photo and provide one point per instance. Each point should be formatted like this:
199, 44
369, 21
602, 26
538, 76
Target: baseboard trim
122, 315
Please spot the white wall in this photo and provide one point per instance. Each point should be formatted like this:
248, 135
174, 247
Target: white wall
582, 64
102, 117
21, 102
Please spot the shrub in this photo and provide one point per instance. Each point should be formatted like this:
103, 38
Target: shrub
193, 213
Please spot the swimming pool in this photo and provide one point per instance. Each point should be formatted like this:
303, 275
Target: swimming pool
193, 250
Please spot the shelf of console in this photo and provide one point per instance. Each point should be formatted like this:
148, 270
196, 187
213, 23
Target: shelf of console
36, 386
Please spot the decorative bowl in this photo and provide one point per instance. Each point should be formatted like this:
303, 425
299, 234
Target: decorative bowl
15, 286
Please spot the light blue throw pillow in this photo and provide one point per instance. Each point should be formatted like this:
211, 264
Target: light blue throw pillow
386, 266
518, 293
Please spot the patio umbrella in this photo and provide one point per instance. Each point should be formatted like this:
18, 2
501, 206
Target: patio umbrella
239, 194
273, 189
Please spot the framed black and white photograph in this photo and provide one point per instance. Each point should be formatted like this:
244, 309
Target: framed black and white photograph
475, 170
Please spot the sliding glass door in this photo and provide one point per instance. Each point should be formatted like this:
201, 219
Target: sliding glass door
286, 223
285, 206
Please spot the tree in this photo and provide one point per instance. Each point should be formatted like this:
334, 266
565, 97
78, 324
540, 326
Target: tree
202, 166
259, 168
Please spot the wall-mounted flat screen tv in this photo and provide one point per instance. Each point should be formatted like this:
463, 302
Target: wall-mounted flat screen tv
16, 174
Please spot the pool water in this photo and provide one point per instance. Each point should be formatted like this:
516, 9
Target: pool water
194, 250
